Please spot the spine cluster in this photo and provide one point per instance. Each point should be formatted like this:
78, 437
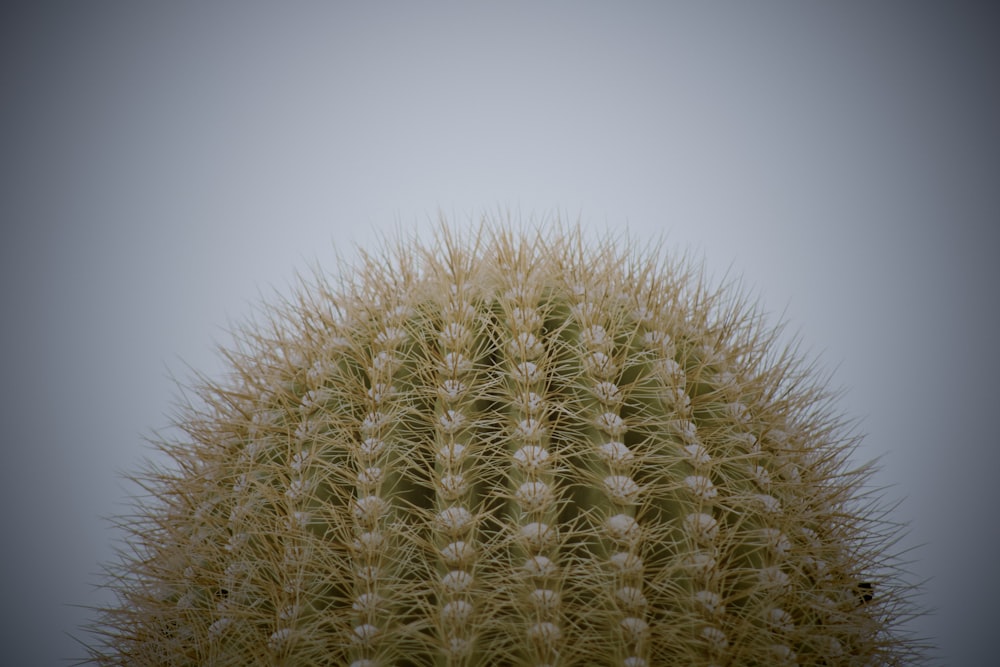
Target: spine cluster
519, 451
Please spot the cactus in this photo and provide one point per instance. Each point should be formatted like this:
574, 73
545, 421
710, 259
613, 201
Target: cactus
510, 450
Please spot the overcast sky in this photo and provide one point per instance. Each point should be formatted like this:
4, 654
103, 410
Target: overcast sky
167, 165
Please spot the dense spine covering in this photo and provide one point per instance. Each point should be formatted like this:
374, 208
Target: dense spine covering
510, 450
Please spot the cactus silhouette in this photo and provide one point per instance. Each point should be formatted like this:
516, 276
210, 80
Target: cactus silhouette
510, 448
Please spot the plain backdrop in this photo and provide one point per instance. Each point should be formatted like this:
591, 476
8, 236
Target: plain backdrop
166, 166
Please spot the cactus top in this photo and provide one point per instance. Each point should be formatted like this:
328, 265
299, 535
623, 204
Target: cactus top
509, 450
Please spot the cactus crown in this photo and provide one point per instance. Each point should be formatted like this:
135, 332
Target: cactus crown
509, 450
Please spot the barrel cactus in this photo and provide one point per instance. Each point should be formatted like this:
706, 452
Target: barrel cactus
509, 449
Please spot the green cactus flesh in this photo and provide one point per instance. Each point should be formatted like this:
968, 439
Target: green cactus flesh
509, 450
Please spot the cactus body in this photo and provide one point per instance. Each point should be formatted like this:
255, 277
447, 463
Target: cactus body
509, 451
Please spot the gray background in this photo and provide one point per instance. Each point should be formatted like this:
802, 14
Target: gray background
165, 166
